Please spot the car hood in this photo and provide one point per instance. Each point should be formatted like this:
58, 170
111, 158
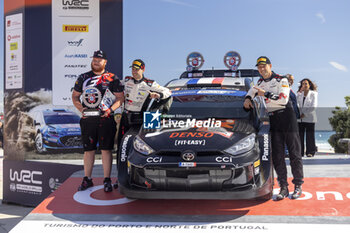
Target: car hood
198, 139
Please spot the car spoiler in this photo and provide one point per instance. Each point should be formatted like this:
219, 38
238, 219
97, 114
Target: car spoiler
240, 73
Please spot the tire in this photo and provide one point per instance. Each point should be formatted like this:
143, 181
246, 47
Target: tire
266, 197
39, 145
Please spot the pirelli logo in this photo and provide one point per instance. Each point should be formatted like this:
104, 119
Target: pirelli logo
75, 28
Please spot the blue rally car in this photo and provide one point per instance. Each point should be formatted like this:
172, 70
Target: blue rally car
56, 129
204, 145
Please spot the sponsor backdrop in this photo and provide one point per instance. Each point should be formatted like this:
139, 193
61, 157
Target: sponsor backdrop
14, 51
75, 35
48, 43
28, 182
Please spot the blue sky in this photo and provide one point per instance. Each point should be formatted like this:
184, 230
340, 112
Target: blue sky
307, 38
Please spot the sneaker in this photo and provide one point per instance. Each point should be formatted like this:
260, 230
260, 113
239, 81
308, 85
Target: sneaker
310, 155
87, 183
283, 193
297, 192
107, 184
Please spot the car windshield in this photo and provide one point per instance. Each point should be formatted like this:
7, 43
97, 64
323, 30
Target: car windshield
61, 119
205, 106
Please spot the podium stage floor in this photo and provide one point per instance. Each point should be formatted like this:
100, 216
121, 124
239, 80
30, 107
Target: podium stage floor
324, 206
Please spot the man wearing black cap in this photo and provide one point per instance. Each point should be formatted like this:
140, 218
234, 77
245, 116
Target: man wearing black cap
138, 91
97, 126
284, 128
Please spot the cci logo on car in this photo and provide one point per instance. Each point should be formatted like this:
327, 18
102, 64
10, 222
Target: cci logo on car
188, 156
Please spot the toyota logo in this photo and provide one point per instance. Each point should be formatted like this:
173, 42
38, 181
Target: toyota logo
188, 156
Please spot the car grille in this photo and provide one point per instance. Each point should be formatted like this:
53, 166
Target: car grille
72, 141
198, 153
194, 179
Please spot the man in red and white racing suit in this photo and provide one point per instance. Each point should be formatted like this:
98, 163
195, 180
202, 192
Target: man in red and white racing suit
284, 128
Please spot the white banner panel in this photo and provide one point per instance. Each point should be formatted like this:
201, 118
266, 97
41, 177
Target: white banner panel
75, 36
14, 51
172, 227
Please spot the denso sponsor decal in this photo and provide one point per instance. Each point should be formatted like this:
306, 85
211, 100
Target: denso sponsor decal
190, 123
154, 159
123, 155
191, 135
265, 156
190, 142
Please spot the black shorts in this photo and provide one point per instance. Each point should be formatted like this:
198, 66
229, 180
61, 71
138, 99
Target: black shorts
99, 130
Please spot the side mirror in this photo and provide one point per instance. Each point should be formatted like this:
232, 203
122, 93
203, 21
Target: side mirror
162, 105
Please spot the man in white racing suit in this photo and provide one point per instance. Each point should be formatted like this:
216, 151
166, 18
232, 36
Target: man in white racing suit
283, 125
138, 91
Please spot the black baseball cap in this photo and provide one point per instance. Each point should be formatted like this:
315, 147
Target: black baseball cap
262, 60
138, 63
100, 54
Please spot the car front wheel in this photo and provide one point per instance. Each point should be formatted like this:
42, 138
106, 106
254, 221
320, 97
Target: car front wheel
39, 145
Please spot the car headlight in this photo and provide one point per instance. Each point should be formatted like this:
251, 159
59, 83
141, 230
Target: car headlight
141, 147
242, 146
52, 131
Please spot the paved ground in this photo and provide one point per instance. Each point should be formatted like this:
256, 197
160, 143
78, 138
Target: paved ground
322, 165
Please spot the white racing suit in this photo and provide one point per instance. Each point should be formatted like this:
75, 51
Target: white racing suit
283, 127
137, 93
276, 92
